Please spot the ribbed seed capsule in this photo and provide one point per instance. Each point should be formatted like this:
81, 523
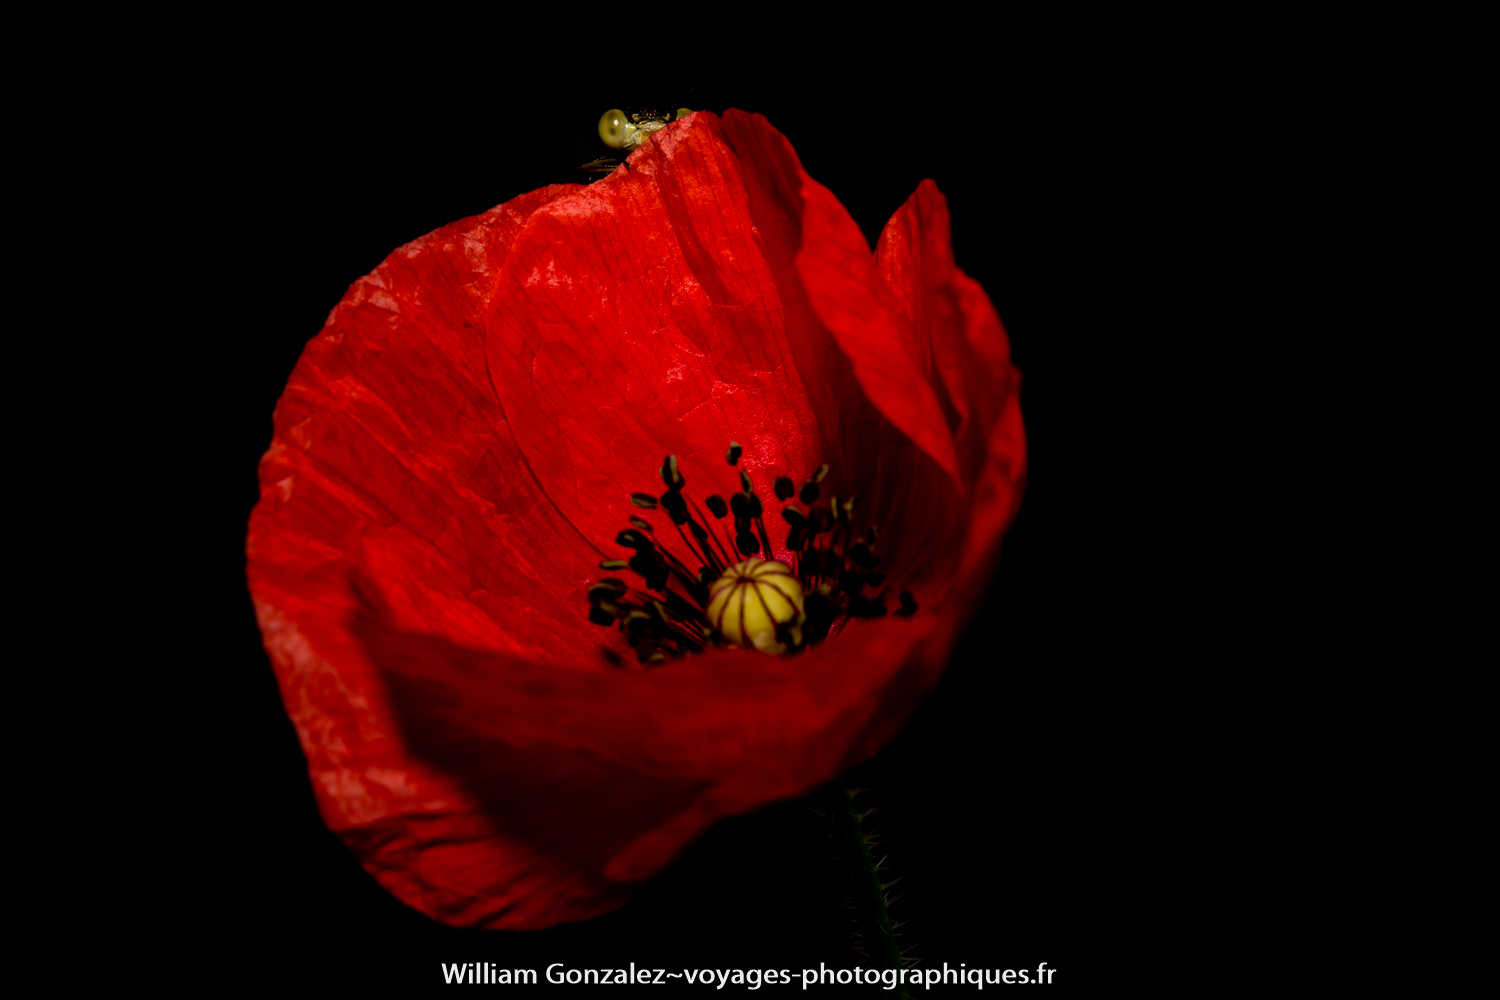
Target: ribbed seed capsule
758, 603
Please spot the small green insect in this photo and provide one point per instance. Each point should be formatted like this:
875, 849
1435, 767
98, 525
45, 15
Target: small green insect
619, 130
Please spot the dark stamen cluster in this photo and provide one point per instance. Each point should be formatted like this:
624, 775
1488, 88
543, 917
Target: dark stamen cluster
835, 564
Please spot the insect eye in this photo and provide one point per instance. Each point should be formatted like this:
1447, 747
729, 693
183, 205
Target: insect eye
615, 129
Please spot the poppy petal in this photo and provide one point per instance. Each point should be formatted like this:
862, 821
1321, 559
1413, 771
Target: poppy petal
970, 364
847, 293
639, 318
580, 784
392, 453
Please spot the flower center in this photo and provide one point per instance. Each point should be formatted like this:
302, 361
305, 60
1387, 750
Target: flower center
751, 602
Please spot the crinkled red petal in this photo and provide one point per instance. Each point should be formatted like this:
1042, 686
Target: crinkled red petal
453, 456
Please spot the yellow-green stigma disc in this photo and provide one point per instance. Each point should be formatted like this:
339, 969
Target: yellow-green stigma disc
758, 603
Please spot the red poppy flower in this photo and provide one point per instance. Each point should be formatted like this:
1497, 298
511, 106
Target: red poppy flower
454, 456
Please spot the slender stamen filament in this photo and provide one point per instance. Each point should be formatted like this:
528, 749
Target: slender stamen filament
719, 567
701, 557
760, 528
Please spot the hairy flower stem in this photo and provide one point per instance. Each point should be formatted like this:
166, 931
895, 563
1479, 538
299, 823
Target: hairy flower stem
867, 881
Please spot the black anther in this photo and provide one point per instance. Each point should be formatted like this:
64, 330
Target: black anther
784, 633
809, 492
850, 581
613, 564
784, 488
820, 614
716, 506
675, 506
820, 475
641, 523
745, 482
908, 604
732, 456
756, 510
639, 624
739, 505
794, 517
645, 500
670, 475
651, 567
599, 617
748, 544
633, 540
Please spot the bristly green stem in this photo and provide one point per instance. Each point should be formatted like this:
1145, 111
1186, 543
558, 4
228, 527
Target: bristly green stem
871, 887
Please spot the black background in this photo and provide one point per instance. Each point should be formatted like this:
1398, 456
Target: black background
1011, 805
